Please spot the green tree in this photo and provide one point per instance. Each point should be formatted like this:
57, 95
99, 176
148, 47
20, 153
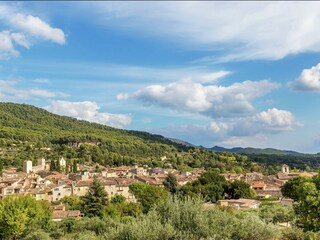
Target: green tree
58, 167
210, 185
72, 202
171, 183
1, 167
74, 166
240, 189
19, 214
118, 199
293, 188
52, 166
67, 167
95, 200
276, 213
148, 195
308, 206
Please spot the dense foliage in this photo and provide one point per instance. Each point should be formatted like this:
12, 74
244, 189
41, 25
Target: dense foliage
174, 218
95, 200
271, 162
306, 191
148, 195
212, 187
20, 214
29, 133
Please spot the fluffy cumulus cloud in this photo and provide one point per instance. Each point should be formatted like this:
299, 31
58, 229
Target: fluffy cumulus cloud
242, 30
275, 119
88, 111
242, 131
21, 29
6, 45
10, 91
37, 27
309, 80
210, 100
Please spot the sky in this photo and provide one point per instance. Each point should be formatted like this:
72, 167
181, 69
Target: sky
232, 74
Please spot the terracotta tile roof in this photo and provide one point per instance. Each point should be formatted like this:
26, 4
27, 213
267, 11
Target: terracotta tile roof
84, 183
65, 214
259, 185
121, 168
124, 182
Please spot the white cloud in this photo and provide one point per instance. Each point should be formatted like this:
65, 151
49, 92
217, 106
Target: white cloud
242, 131
122, 96
7, 41
309, 80
21, 29
9, 91
20, 39
132, 74
212, 100
6, 46
276, 120
218, 127
37, 27
241, 30
88, 111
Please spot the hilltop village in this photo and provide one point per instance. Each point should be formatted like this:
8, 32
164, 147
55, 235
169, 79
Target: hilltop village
52, 186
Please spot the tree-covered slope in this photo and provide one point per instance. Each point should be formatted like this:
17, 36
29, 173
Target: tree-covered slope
28, 132
250, 150
28, 123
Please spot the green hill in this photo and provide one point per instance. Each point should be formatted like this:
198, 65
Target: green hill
28, 132
250, 150
28, 123
22, 126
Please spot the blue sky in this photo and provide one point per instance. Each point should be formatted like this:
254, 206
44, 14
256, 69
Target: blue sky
210, 73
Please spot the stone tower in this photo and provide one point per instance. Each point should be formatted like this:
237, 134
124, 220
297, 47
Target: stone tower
27, 166
285, 168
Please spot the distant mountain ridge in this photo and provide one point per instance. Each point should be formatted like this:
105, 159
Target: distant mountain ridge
182, 142
250, 150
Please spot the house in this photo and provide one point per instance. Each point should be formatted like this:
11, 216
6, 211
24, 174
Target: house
286, 201
59, 213
259, 186
10, 186
118, 186
152, 180
239, 203
122, 171
140, 171
82, 187
60, 191
232, 176
40, 193
41, 166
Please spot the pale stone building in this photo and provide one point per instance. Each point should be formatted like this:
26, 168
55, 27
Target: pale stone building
27, 166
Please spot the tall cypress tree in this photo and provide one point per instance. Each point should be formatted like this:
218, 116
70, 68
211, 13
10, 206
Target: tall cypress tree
67, 167
52, 166
171, 183
74, 167
1, 167
95, 200
58, 167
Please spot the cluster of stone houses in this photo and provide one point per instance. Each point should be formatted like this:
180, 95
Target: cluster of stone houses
268, 186
42, 184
